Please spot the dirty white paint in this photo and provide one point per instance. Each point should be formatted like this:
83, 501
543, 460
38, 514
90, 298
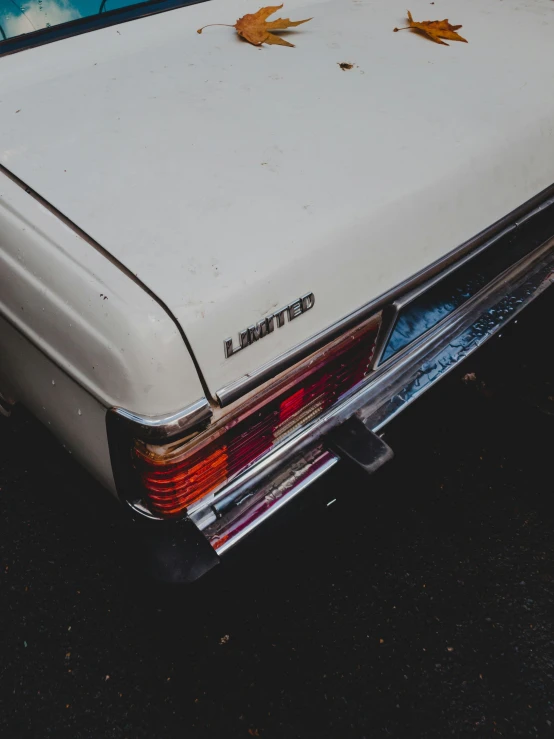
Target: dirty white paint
30, 371
124, 350
230, 179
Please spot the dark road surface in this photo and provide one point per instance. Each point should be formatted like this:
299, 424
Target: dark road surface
421, 604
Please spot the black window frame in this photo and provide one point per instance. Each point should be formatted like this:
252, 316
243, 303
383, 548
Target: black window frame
91, 23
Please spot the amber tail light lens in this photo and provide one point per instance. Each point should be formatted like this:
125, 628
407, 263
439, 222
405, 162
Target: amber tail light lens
177, 475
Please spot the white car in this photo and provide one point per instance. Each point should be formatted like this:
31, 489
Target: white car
224, 268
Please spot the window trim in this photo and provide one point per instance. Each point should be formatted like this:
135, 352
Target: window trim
92, 23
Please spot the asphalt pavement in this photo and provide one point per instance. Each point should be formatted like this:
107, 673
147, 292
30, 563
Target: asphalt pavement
419, 604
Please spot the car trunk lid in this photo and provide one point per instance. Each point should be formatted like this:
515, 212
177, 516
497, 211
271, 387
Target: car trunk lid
233, 180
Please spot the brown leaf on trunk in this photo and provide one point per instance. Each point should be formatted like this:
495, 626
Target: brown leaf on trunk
255, 28
434, 30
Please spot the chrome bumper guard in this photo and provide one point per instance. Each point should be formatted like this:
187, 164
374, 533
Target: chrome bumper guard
269, 485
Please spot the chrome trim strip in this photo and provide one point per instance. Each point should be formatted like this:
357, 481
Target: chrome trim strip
384, 393
506, 239
280, 503
453, 341
231, 392
546, 198
403, 300
172, 424
388, 322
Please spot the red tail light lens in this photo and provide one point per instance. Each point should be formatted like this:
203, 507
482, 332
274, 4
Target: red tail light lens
177, 475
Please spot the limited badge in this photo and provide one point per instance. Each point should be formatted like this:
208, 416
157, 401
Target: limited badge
267, 325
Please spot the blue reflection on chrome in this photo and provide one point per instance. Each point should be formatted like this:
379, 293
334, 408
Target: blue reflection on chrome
427, 310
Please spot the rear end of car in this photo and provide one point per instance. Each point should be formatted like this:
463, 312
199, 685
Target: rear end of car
268, 253
219, 471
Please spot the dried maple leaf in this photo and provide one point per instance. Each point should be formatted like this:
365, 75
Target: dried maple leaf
255, 28
435, 30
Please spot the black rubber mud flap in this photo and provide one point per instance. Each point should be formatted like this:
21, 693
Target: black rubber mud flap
352, 440
172, 552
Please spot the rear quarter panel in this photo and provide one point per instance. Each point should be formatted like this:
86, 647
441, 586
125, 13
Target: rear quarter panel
77, 333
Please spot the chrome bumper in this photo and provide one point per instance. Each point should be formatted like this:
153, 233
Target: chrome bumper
269, 485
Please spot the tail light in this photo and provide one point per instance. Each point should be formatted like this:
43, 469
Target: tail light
177, 475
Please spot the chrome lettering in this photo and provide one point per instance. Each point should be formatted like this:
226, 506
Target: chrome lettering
280, 317
243, 338
229, 348
294, 309
267, 325
261, 329
308, 301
